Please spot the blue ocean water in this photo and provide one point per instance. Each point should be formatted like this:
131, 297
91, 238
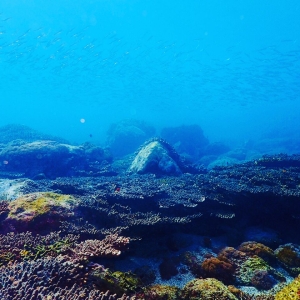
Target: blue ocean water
72, 68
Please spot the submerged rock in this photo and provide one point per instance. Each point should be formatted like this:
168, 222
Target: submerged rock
44, 158
289, 256
210, 288
155, 158
40, 210
11, 132
180, 137
125, 136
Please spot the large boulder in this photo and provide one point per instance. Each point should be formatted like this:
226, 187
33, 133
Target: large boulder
11, 132
186, 139
125, 136
155, 157
48, 157
38, 211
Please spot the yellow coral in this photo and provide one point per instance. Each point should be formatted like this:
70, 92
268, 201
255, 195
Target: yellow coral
31, 205
206, 289
290, 292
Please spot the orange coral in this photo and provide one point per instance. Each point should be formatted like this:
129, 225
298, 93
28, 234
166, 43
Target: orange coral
221, 270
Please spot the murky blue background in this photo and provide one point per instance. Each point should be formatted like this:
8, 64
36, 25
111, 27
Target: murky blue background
233, 67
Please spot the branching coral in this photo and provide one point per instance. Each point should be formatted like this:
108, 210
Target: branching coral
111, 245
26, 246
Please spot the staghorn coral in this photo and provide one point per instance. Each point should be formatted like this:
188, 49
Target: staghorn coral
39, 277
26, 246
110, 246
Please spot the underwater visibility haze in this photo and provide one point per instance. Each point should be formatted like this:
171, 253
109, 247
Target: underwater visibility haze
149, 150
231, 67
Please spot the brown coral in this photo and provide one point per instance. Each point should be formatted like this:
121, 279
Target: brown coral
252, 248
221, 270
233, 256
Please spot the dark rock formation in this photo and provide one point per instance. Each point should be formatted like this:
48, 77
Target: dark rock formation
155, 158
13, 132
46, 158
126, 136
186, 139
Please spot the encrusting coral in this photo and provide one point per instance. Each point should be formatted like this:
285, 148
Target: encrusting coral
206, 289
290, 292
39, 210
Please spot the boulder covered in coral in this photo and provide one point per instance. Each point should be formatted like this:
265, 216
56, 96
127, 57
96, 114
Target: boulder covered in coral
40, 211
156, 157
210, 288
12, 132
45, 158
289, 257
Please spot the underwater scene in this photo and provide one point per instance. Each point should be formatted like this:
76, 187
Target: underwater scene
149, 150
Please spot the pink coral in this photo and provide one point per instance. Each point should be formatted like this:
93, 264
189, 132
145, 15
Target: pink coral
110, 246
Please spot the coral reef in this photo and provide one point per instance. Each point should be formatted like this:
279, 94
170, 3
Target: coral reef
290, 292
39, 209
253, 248
221, 270
206, 289
26, 246
289, 256
48, 278
110, 246
118, 283
257, 272
66, 243
193, 263
160, 292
